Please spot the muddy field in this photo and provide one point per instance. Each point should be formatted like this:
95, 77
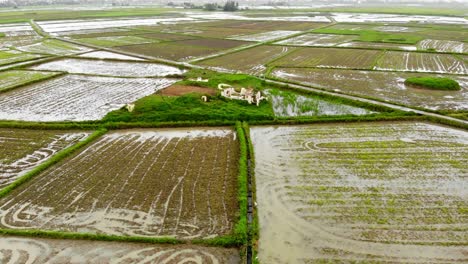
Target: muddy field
250, 61
29, 148
178, 90
371, 192
421, 62
75, 97
178, 183
19, 250
109, 68
329, 58
383, 85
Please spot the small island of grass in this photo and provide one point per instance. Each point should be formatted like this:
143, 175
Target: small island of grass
433, 83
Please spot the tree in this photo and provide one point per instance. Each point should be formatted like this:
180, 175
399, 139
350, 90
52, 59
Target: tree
211, 7
231, 6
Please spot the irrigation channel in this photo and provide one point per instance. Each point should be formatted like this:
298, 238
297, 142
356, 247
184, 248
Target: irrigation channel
250, 200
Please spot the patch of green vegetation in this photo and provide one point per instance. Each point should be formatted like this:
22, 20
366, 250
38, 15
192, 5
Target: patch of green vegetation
190, 107
433, 83
2, 35
374, 36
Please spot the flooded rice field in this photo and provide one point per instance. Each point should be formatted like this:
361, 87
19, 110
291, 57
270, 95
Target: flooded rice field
29, 148
110, 68
287, 104
329, 58
265, 36
367, 192
421, 62
75, 97
444, 45
250, 61
53, 47
108, 55
174, 182
317, 40
15, 78
20, 250
382, 85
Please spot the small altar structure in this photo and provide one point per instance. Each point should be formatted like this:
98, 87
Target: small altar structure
249, 95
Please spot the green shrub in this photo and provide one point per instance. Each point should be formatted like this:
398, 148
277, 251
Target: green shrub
433, 83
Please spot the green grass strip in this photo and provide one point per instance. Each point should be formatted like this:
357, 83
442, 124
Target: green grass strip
88, 236
51, 161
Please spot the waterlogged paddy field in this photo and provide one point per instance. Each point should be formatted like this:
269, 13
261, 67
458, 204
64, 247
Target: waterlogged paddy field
288, 104
53, 47
174, 182
19, 250
111, 68
12, 56
318, 40
16, 78
367, 192
75, 97
22, 150
251, 61
421, 62
329, 58
108, 55
383, 85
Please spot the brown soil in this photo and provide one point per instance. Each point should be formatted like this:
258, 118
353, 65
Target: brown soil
178, 90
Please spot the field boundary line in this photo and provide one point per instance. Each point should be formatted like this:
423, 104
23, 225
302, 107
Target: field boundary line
35, 233
51, 161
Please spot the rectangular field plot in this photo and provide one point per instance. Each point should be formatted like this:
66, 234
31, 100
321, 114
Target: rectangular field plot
184, 49
362, 193
23, 150
378, 45
265, 36
12, 56
12, 79
54, 47
75, 97
317, 40
421, 62
20, 250
108, 55
382, 85
444, 45
329, 58
180, 183
109, 68
249, 61
112, 41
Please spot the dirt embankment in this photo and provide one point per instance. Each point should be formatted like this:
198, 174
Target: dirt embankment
178, 90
